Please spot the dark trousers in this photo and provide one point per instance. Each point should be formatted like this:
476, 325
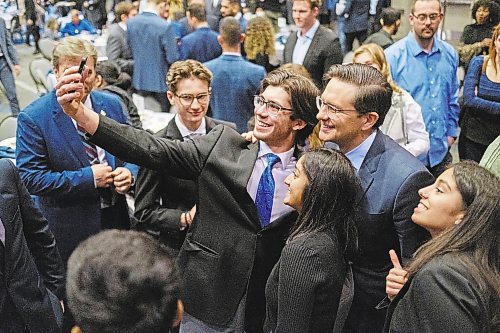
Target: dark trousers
7, 79
442, 166
470, 150
350, 36
34, 30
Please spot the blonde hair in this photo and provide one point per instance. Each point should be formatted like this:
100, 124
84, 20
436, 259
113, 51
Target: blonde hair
259, 38
73, 47
492, 54
185, 70
378, 57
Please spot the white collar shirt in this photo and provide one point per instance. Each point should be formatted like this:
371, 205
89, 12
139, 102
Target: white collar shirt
303, 44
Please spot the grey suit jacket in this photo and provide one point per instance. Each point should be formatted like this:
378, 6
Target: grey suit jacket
117, 48
6, 45
226, 254
323, 52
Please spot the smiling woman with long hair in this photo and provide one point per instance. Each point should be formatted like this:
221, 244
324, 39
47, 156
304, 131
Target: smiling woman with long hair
304, 288
453, 283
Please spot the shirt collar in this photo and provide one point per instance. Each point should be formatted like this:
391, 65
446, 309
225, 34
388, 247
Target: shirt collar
284, 157
311, 32
232, 54
123, 25
416, 49
357, 155
185, 132
152, 11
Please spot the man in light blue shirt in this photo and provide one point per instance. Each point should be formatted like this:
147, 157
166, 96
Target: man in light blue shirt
426, 67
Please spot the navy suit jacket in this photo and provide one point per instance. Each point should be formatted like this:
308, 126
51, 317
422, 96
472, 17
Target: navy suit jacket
390, 177
34, 273
55, 168
234, 84
355, 15
200, 45
153, 43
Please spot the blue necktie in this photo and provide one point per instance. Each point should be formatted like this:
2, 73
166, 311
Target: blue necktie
265, 191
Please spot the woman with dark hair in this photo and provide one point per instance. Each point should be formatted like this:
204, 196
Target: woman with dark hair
111, 80
453, 283
304, 288
476, 38
480, 123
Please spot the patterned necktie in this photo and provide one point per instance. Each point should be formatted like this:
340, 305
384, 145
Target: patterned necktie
265, 191
90, 148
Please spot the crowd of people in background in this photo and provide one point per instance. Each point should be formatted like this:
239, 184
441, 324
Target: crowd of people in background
288, 193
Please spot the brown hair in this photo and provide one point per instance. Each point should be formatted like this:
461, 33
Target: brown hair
302, 92
197, 10
230, 31
185, 70
122, 8
312, 3
373, 93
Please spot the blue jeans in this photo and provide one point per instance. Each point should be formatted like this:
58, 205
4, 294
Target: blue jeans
9, 84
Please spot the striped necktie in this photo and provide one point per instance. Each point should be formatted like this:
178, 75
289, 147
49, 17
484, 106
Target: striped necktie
90, 148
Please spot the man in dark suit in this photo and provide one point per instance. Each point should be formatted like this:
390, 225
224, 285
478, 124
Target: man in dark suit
117, 48
352, 107
8, 65
212, 20
163, 203
241, 222
236, 80
201, 44
31, 270
313, 46
353, 20
79, 187
153, 43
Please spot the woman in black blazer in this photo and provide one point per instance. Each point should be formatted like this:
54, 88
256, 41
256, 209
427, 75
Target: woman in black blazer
304, 288
452, 285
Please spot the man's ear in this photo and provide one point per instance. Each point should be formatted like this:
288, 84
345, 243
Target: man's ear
219, 39
371, 120
98, 81
298, 124
178, 316
170, 96
242, 38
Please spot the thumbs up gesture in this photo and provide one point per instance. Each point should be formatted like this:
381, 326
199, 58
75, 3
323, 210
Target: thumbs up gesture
397, 277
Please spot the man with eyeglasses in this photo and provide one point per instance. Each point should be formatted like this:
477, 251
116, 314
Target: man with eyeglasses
241, 222
235, 80
426, 67
351, 109
164, 204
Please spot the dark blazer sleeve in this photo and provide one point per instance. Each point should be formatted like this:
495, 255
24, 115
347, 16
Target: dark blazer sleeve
182, 159
410, 235
169, 44
442, 297
40, 240
114, 44
10, 45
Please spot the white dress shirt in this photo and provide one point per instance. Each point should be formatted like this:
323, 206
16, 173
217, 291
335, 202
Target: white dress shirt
303, 43
186, 133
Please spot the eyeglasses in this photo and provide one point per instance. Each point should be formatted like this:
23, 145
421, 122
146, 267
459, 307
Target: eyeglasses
422, 18
187, 100
331, 110
272, 108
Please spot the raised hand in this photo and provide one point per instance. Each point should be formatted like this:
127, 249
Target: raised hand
397, 277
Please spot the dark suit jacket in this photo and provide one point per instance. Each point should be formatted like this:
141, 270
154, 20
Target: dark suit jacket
7, 46
323, 52
391, 178
55, 168
355, 15
117, 48
32, 263
153, 43
160, 198
442, 297
185, 29
200, 45
226, 253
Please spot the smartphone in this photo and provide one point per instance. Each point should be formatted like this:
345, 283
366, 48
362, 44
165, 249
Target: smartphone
81, 68
82, 65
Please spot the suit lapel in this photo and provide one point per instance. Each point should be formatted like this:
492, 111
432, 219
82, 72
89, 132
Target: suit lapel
315, 41
370, 163
173, 131
69, 133
293, 42
242, 174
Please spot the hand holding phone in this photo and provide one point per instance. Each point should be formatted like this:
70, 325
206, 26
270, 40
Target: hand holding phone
81, 68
